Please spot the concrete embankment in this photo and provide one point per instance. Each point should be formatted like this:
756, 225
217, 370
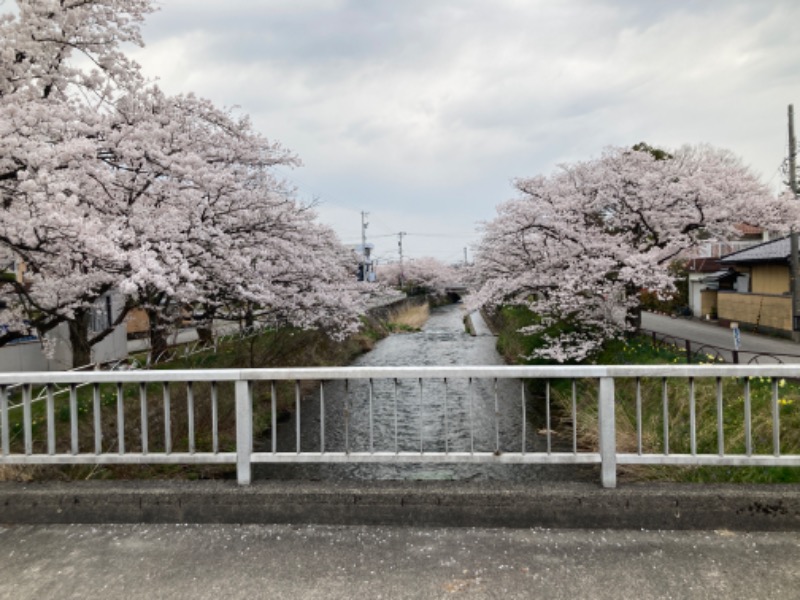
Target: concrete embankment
417, 503
386, 310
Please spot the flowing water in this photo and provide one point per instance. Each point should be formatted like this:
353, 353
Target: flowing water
438, 416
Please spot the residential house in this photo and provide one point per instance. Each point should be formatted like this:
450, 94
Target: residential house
761, 300
27, 354
707, 275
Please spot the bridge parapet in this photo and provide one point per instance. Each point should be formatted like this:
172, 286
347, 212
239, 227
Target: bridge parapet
456, 289
208, 416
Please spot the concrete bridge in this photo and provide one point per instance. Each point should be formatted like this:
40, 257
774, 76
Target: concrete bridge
175, 561
456, 291
330, 539
457, 288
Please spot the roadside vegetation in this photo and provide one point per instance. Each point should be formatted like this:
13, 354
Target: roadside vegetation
640, 350
288, 347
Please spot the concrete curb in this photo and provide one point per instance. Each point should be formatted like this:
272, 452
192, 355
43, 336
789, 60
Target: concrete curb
435, 504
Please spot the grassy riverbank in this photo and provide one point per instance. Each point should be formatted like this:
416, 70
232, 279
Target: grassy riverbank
639, 350
280, 348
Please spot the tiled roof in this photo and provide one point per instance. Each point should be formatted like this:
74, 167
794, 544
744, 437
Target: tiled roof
774, 251
746, 229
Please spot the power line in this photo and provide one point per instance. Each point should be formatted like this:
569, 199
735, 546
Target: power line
443, 235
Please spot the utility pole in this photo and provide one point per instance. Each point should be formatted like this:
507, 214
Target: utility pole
792, 153
364, 252
465, 256
400, 251
794, 260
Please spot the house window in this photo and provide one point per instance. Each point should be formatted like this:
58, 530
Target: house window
102, 315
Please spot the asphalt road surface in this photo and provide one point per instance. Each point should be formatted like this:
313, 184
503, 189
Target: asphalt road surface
783, 350
309, 562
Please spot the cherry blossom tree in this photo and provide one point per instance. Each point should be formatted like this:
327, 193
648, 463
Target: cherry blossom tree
578, 246
40, 44
426, 273
50, 125
205, 223
107, 183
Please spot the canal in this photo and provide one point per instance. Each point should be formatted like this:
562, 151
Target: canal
455, 416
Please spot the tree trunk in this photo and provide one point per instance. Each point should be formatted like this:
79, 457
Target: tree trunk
205, 328
158, 335
249, 320
634, 318
79, 339
252, 343
205, 333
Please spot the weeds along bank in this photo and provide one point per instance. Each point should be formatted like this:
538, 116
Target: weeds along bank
280, 348
677, 416
292, 347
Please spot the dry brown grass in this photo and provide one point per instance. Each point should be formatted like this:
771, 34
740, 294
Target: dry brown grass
17, 473
411, 317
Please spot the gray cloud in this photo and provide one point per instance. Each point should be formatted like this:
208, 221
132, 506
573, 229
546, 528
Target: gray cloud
428, 109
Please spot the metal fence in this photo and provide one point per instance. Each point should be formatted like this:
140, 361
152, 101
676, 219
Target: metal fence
707, 415
701, 352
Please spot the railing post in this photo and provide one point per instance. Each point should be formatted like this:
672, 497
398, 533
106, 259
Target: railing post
244, 432
608, 436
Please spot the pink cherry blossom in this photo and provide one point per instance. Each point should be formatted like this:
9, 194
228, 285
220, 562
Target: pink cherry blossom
576, 247
107, 184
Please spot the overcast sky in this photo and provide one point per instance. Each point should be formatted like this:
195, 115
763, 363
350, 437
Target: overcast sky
421, 112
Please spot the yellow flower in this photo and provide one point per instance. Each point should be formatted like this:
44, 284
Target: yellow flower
782, 383
785, 402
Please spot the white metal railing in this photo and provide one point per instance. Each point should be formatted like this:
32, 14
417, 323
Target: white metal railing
209, 416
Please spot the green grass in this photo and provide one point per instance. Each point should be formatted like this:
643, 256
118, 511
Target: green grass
511, 344
640, 350
401, 328
283, 348
677, 417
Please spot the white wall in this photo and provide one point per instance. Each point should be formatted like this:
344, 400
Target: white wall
28, 356
113, 347
696, 285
